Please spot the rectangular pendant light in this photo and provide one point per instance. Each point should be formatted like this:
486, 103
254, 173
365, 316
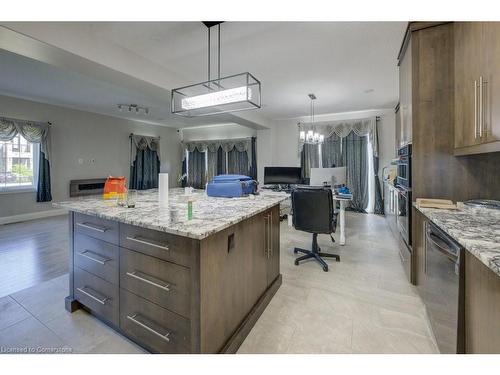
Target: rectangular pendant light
228, 94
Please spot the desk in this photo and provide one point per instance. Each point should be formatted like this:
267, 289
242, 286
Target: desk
286, 206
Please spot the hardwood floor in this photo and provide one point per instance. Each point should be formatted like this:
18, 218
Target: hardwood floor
32, 252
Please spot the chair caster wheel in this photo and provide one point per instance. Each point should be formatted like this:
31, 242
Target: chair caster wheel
295, 251
296, 263
325, 268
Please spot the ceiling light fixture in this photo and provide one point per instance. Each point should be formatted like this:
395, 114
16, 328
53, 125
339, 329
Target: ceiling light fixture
311, 136
133, 107
238, 92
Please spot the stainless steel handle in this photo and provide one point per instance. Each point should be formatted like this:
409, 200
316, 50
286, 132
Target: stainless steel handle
441, 249
102, 301
91, 226
481, 119
266, 236
271, 250
165, 336
165, 286
144, 242
475, 109
85, 255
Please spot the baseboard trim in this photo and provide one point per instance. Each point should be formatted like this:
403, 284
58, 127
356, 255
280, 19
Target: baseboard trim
32, 216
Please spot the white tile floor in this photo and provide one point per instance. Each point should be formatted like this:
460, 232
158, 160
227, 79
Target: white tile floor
362, 305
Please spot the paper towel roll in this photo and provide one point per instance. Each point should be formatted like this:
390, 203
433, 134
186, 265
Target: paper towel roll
163, 189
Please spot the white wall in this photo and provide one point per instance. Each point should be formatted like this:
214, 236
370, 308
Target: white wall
222, 131
78, 134
282, 139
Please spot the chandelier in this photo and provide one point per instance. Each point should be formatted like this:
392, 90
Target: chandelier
233, 93
311, 136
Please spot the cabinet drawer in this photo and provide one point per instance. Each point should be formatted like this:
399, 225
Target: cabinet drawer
97, 257
163, 283
156, 328
161, 245
97, 294
95, 227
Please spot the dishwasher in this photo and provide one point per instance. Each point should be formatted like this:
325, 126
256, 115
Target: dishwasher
442, 289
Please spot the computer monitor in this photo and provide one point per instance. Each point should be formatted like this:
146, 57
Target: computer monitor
282, 175
332, 176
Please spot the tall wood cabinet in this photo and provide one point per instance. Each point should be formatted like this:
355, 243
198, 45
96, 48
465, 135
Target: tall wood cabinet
477, 87
405, 95
398, 128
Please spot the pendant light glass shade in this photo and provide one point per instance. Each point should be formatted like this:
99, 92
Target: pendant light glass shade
228, 94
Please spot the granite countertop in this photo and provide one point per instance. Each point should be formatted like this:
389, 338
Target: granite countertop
476, 229
210, 215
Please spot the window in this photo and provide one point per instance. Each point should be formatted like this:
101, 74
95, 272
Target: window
18, 164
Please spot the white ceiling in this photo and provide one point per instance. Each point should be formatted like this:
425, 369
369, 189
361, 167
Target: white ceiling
338, 61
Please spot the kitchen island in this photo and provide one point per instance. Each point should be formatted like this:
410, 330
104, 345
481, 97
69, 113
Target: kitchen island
171, 284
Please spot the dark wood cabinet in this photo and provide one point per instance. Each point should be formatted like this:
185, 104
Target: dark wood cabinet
419, 249
477, 87
469, 63
482, 307
405, 95
492, 91
273, 252
398, 128
173, 294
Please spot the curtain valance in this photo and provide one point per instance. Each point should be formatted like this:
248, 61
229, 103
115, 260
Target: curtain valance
241, 144
342, 128
143, 142
33, 132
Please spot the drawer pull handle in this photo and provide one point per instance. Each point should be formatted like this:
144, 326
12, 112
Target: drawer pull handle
102, 301
144, 278
145, 242
86, 253
91, 226
133, 318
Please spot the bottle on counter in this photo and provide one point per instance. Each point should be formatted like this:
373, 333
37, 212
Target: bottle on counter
190, 208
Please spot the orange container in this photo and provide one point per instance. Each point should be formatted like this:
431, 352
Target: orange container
115, 188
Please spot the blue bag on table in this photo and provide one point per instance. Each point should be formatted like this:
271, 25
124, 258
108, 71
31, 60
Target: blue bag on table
231, 186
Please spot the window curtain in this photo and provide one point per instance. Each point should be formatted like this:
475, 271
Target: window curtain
253, 162
309, 159
196, 169
183, 177
221, 161
379, 203
331, 152
145, 162
33, 132
355, 158
216, 163
237, 162
245, 150
337, 135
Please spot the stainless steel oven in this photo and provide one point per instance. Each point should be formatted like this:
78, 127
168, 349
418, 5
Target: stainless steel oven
404, 214
404, 167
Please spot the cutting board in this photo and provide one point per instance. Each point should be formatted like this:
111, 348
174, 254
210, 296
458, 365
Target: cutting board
444, 204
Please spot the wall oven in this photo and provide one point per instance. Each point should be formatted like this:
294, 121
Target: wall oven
404, 214
404, 167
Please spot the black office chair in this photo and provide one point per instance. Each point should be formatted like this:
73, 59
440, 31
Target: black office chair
312, 209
